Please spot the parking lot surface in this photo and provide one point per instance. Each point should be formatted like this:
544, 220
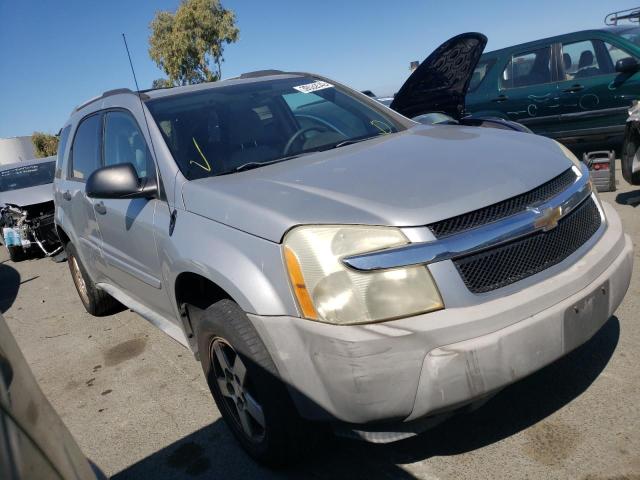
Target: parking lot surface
137, 403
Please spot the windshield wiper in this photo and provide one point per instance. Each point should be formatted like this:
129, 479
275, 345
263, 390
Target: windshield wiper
352, 141
252, 165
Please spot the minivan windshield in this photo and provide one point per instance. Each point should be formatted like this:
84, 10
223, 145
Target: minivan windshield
632, 34
238, 127
26, 176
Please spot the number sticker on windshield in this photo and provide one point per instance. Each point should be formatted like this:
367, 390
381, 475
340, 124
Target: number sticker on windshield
312, 87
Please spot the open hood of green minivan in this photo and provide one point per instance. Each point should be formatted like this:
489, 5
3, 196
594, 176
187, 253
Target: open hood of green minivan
441, 82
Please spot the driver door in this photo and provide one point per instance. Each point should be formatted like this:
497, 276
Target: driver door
128, 225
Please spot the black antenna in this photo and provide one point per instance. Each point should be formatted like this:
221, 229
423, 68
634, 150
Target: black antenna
146, 122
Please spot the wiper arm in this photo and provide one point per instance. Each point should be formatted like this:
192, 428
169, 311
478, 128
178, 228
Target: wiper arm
352, 141
251, 165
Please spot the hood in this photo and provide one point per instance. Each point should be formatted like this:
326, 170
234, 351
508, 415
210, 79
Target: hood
23, 197
415, 177
441, 82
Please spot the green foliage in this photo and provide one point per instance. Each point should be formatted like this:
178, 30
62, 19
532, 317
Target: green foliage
189, 44
45, 144
162, 83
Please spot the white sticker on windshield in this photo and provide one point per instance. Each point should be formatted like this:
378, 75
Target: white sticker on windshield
312, 87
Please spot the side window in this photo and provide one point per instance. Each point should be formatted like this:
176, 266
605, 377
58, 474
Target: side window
124, 143
479, 73
62, 145
528, 68
616, 53
579, 60
85, 153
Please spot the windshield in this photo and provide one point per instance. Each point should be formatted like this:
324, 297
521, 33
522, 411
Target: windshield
26, 176
237, 127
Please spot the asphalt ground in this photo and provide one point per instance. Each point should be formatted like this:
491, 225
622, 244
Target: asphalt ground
137, 402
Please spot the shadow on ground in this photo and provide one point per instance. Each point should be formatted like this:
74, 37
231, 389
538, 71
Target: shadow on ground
631, 198
211, 452
9, 286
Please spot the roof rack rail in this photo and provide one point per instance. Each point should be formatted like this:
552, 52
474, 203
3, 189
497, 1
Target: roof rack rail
109, 93
631, 14
261, 73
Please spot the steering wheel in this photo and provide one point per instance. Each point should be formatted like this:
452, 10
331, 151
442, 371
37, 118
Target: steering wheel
296, 135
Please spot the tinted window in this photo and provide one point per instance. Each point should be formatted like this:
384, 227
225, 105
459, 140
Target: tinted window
26, 176
62, 145
479, 73
528, 68
579, 60
124, 143
223, 129
85, 155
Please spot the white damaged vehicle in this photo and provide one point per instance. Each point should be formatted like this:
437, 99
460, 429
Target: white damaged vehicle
26, 208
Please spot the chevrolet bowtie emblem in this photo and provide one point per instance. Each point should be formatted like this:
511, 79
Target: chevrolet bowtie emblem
548, 218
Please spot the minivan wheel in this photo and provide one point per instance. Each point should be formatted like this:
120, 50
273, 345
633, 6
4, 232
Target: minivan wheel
247, 389
97, 302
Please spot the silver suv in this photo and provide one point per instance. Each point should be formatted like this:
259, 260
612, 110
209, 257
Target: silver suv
329, 260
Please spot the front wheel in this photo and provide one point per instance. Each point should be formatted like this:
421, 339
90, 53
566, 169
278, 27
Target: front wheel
15, 253
630, 160
246, 387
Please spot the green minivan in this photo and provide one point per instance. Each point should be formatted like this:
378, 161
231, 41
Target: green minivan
576, 88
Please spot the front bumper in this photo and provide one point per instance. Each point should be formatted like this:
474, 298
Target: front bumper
403, 370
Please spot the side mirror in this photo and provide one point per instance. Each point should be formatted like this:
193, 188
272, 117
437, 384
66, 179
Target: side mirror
119, 181
627, 65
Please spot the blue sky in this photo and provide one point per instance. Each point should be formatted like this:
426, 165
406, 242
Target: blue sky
54, 55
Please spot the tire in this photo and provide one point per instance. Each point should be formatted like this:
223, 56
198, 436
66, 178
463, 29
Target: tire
225, 330
96, 302
629, 152
15, 253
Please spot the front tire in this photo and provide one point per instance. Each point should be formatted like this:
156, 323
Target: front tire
631, 155
246, 386
15, 253
96, 302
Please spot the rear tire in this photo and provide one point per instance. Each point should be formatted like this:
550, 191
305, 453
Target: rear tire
96, 302
242, 376
631, 152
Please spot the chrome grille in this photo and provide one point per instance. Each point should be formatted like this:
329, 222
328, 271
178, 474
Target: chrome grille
521, 258
505, 208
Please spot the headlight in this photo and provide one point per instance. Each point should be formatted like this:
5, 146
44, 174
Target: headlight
329, 291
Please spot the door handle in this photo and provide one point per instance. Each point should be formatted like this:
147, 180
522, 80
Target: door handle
574, 88
100, 208
500, 98
67, 195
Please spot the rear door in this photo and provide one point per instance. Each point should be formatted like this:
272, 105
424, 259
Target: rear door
527, 92
77, 215
127, 225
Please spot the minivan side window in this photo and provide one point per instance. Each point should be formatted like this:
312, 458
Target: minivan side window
124, 143
62, 145
528, 68
580, 60
85, 152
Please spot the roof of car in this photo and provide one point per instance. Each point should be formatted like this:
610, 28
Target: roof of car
617, 29
9, 166
250, 77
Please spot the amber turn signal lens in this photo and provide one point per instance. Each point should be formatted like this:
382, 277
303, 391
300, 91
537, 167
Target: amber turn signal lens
299, 287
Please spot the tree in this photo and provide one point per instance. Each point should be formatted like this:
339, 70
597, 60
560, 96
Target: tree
189, 44
45, 144
162, 83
